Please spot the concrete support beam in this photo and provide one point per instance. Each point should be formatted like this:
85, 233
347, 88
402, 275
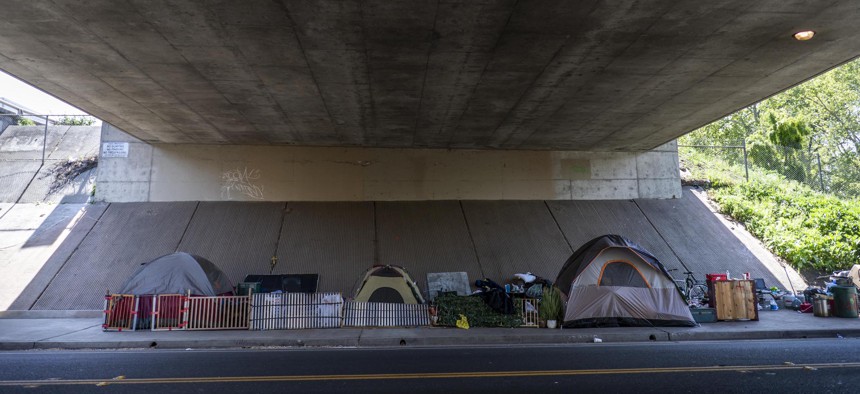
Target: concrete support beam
167, 172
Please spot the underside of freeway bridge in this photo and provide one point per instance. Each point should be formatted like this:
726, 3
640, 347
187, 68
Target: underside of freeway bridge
349, 116
414, 99
585, 75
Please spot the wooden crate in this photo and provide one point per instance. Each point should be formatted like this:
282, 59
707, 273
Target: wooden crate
735, 300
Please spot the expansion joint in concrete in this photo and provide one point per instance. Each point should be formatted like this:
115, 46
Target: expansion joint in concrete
552, 215
280, 233
187, 225
24, 190
650, 223
60, 269
472, 240
375, 236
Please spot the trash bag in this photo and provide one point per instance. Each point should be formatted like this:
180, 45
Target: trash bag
487, 284
463, 322
498, 301
535, 291
495, 296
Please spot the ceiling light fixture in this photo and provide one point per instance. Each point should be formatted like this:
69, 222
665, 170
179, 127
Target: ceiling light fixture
804, 35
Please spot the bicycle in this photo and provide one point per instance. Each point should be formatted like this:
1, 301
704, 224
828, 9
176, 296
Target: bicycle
694, 292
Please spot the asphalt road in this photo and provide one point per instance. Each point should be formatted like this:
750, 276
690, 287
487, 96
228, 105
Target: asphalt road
797, 366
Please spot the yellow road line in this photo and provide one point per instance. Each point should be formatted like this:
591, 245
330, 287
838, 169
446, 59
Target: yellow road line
430, 375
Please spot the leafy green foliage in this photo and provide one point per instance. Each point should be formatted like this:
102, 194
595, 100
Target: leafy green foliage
451, 306
803, 149
805, 227
789, 133
76, 121
809, 133
551, 304
22, 121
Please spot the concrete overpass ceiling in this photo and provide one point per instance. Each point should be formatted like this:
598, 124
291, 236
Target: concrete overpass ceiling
492, 74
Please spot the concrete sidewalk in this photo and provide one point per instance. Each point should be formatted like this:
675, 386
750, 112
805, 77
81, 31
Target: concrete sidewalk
28, 331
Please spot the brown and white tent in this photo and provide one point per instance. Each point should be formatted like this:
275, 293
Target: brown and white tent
611, 281
388, 283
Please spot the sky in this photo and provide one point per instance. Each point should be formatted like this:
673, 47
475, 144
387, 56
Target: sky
13, 89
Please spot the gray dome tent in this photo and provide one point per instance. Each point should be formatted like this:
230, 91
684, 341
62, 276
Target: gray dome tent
611, 281
177, 273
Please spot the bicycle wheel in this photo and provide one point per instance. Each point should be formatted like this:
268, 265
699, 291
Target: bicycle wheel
698, 294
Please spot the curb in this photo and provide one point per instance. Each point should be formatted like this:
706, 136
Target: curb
52, 314
406, 340
760, 334
17, 345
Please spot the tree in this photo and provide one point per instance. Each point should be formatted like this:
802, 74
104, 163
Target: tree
788, 136
788, 132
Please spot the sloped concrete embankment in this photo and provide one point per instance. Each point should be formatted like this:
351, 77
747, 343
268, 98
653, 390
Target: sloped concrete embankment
339, 240
24, 175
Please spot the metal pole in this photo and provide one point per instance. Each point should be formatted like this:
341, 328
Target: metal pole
820, 174
45, 140
746, 163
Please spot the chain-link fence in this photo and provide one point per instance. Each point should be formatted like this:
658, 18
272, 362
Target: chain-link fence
47, 158
749, 161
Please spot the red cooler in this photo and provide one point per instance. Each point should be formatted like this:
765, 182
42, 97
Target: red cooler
712, 278
715, 277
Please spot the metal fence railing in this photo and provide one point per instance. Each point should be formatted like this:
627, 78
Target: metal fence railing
120, 312
266, 311
169, 312
45, 161
218, 313
746, 161
529, 309
383, 314
290, 311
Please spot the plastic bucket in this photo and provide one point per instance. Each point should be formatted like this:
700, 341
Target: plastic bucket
844, 301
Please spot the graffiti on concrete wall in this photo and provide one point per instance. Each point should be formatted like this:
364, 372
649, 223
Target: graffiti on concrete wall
242, 181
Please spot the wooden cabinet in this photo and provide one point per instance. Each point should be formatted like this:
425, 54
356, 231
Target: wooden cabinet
734, 299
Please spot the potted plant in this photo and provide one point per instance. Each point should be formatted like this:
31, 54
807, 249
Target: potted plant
550, 306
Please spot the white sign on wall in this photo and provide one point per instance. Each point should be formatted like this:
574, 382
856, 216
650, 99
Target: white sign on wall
115, 149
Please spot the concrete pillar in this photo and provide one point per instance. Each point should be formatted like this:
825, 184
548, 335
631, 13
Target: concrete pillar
123, 179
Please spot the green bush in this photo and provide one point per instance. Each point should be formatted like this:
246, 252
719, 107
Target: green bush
807, 228
451, 306
76, 121
21, 121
